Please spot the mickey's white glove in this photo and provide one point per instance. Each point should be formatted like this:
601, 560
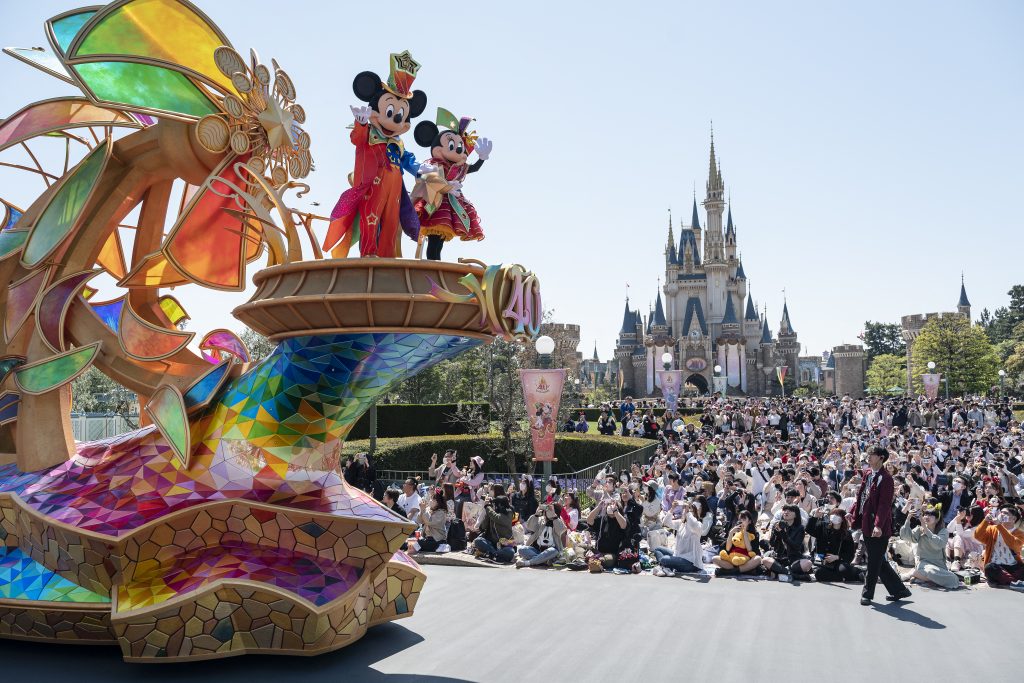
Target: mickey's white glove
361, 114
427, 167
483, 148
456, 188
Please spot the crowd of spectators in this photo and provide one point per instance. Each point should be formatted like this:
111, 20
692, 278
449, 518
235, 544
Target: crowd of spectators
757, 487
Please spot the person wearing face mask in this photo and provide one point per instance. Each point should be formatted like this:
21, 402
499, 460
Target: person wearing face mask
834, 547
957, 498
553, 491
929, 539
524, 500
688, 553
545, 537
1001, 535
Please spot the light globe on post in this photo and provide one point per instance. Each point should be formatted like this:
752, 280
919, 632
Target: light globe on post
718, 369
545, 346
666, 360
931, 366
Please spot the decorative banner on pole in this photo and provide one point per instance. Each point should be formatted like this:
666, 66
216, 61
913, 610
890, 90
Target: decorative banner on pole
781, 372
542, 390
931, 385
671, 381
720, 385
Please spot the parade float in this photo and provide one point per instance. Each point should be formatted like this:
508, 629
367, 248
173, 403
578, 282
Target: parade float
222, 526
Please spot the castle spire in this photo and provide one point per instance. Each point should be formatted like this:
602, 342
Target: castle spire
730, 313
785, 327
596, 359
659, 310
963, 293
695, 220
628, 321
714, 173
766, 334
751, 313
671, 248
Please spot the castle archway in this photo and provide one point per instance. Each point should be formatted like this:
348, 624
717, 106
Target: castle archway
698, 381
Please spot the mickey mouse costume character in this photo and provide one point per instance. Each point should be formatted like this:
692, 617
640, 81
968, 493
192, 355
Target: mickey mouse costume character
377, 208
442, 210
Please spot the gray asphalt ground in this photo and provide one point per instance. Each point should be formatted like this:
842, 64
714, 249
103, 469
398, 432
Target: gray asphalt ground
507, 625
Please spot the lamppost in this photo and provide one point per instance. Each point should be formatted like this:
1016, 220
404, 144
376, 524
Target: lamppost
718, 381
577, 397
666, 360
945, 377
545, 346
1002, 378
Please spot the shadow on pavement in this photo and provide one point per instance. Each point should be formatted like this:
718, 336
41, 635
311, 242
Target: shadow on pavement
27, 661
902, 613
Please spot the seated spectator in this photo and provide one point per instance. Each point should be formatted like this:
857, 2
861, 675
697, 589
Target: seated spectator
390, 500
786, 558
688, 555
569, 425
962, 545
524, 501
651, 507
553, 491
740, 553
448, 472
608, 526
582, 426
835, 546
545, 537
1002, 537
606, 424
409, 501
570, 510
434, 524
495, 539
929, 540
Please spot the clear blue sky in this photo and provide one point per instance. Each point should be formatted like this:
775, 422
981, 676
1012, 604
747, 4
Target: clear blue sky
872, 149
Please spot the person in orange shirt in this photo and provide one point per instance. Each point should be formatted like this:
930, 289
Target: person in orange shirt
1003, 539
376, 209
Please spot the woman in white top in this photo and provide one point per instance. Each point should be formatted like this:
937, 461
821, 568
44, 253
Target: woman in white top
688, 555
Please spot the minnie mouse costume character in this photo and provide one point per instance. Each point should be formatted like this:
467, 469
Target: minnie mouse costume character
442, 210
377, 208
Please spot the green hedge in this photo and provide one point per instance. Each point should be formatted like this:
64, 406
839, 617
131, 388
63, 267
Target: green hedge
397, 420
594, 413
573, 451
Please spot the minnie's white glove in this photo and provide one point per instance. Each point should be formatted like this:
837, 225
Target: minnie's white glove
483, 148
361, 114
427, 167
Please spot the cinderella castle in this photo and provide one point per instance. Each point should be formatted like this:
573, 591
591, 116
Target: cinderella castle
708, 317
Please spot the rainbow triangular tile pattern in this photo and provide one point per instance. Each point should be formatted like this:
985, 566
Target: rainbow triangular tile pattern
298, 406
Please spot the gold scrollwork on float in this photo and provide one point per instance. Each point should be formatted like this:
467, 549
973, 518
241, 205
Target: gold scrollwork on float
508, 297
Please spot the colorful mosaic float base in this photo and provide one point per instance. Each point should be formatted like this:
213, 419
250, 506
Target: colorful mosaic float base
257, 545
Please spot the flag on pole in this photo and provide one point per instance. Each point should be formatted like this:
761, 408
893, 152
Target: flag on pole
781, 372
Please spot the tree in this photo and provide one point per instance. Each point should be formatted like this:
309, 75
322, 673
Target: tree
886, 371
961, 352
94, 392
508, 410
1006, 318
882, 338
259, 346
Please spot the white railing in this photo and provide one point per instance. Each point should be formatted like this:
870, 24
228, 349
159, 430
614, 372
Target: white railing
97, 427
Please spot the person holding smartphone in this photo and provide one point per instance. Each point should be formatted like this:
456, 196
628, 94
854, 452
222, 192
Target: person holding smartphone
1002, 536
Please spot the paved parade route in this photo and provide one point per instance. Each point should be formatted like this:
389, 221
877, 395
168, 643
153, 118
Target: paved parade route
498, 624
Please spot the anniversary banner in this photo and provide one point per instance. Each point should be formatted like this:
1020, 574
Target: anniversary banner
542, 390
671, 381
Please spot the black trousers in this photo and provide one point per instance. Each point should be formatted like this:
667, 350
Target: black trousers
434, 245
879, 568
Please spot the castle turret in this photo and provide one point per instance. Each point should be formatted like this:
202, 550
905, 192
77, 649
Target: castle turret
730, 237
963, 307
695, 232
